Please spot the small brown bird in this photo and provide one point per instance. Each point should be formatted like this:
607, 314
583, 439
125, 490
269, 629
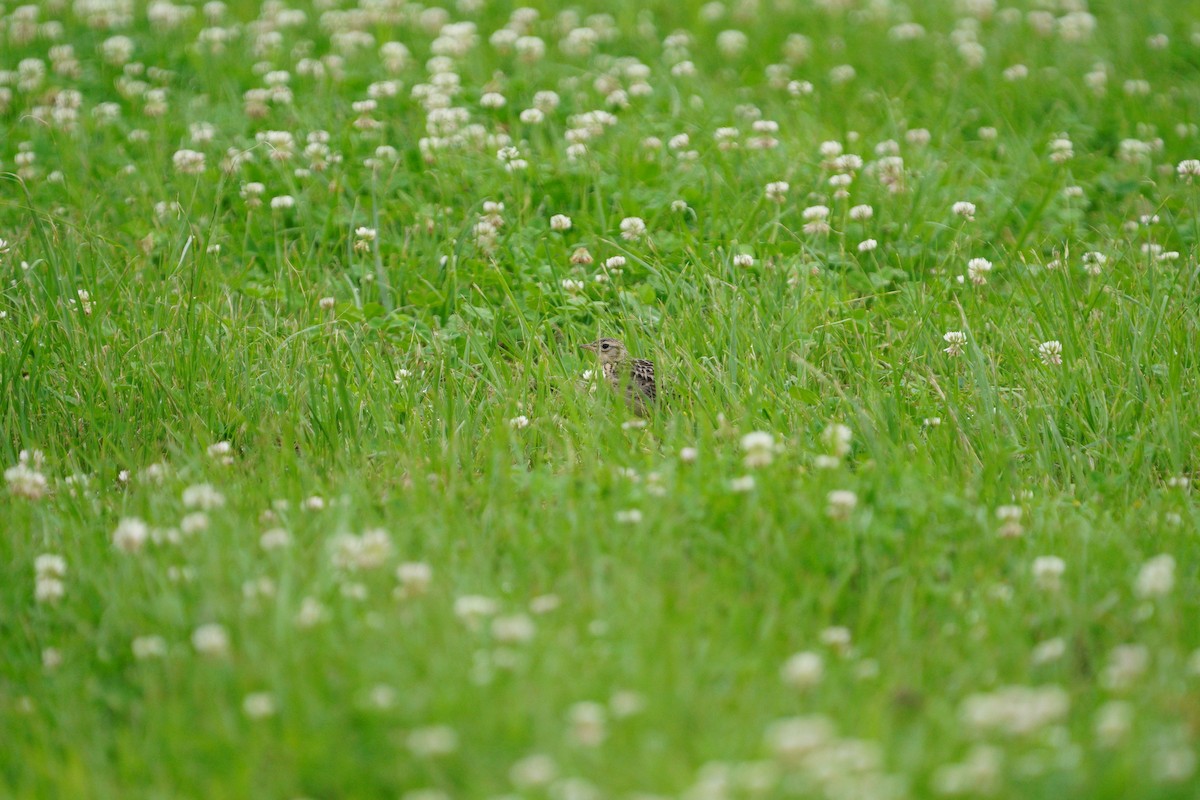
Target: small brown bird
634, 376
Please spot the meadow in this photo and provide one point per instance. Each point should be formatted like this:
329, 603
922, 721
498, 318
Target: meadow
311, 491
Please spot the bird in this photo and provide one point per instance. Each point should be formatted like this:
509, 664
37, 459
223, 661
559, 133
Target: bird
633, 376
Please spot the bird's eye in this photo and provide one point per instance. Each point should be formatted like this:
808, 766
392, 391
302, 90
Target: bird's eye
605, 346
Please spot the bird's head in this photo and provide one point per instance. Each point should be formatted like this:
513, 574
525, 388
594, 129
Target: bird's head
610, 351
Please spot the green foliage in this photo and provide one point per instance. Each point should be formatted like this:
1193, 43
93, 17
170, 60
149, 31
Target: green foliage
166, 328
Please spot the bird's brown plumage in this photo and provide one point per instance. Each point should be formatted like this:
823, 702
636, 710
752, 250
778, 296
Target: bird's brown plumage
633, 376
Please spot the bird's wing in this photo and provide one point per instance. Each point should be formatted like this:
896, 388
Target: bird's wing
643, 376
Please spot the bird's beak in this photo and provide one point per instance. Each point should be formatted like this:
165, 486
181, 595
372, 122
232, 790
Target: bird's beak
589, 346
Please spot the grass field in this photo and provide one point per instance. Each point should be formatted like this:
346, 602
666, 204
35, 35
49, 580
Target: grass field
311, 492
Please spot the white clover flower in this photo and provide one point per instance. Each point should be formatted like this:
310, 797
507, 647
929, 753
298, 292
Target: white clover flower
117, 50
793, 740
1048, 651
414, 577
492, 100
50, 565
918, 136
837, 438
977, 270
203, 496
684, 69
472, 608
1156, 578
972, 53
816, 220
587, 723
1093, 262
311, 613
776, 191
1076, 26
841, 74
1136, 87
861, 213
26, 481
1010, 521
560, 222
841, 181
533, 772
275, 539
514, 629
1189, 169
837, 638
956, 341
630, 516
1113, 722
804, 670
544, 604
732, 43
519, 422
830, 149
840, 504
188, 162
759, 447
130, 535
211, 640
633, 228
1048, 572
510, 157
363, 237
1061, 149
867, 245
625, 703
530, 48
48, 589
219, 449
193, 523
1017, 72
1050, 352
977, 774
1127, 663
1015, 710
145, 647
432, 742
258, 705
1174, 762
743, 260
964, 209
906, 32
374, 549
369, 551
742, 484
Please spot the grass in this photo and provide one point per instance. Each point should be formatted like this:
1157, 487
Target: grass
641, 610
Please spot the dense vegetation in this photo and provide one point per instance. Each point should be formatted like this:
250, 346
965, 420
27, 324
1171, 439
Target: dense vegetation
311, 491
